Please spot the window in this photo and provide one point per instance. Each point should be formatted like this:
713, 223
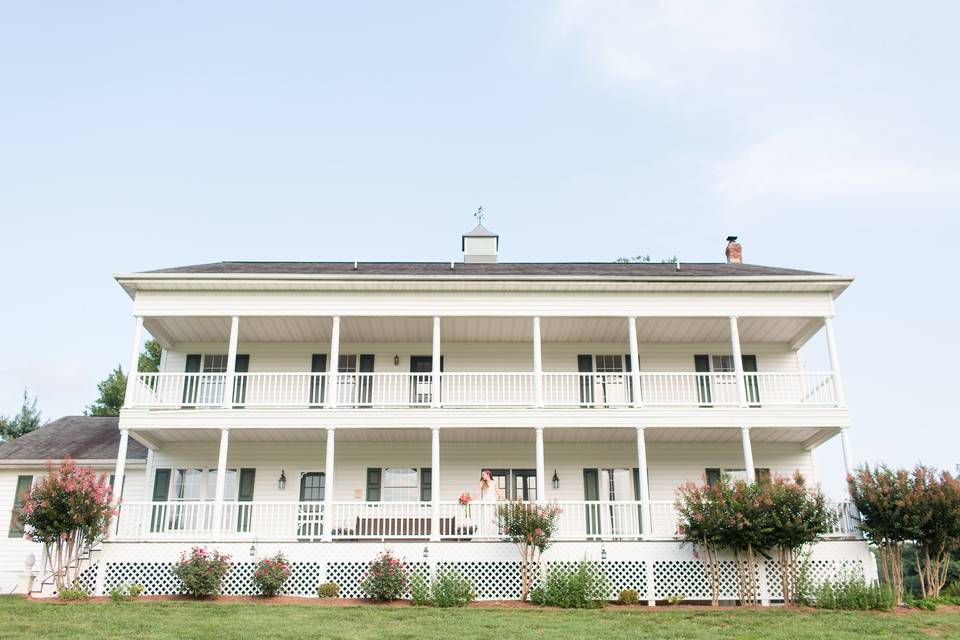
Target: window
713, 475
23, 486
609, 364
229, 484
216, 363
347, 363
400, 484
723, 364
617, 483
188, 484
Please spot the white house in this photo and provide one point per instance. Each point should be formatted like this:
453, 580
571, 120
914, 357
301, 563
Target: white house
334, 409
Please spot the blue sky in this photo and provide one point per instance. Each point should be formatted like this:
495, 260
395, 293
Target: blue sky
826, 136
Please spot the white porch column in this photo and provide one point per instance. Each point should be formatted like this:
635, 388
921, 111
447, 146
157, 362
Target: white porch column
134, 360
328, 488
834, 361
747, 454
644, 484
537, 364
634, 361
435, 365
118, 474
231, 363
541, 474
334, 367
847, 452
221, 481
737, 362
435, 485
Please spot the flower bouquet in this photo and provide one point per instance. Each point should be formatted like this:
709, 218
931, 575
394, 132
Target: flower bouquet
465, 499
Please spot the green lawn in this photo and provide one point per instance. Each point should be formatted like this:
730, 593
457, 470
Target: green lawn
21, 618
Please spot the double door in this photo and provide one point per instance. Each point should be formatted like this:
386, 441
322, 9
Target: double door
516, 484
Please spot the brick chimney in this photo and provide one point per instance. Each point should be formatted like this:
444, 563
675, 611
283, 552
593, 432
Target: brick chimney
734, 251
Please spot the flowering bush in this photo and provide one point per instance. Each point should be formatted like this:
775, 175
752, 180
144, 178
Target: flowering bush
751, 518
70, 508
531, 527
201, 571
386, 578
271, 574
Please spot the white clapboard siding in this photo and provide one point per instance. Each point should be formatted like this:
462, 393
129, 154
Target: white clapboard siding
670, 464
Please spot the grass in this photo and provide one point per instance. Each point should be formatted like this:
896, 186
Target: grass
21, 618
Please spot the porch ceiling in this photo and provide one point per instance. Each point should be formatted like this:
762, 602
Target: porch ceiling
802, 435
173, 330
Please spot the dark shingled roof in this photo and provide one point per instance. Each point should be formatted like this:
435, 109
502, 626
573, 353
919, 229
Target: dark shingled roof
80, 437
507, 269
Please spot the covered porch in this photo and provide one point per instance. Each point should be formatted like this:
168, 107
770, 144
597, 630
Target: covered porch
355, 484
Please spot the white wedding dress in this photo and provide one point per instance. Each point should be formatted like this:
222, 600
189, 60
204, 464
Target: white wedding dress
487, 508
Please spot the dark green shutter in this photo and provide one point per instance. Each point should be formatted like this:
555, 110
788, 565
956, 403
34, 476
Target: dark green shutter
23, 486
318, 364
701, 364
591, 492
373, 484
713, 476
365, 382
241, 365
161, 491
585, 365
762, 475
191, 383
426, 484
628, 369
752, 383
245, 494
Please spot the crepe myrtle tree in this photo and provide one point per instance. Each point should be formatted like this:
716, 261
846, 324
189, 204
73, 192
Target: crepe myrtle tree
531, 527
67, 510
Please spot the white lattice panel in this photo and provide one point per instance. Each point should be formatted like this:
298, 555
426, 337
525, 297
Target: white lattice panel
492, 567
818, 572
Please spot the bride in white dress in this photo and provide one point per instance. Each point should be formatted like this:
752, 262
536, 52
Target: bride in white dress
488, 494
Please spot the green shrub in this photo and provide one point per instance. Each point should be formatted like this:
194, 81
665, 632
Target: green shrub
76, 592
271, 574
853, 593
118, 593
420, 591
136, 590
583, 588
628, 596
952, 590
676, 598
386, 578
201, 571
328, 590
927, 604
452, 589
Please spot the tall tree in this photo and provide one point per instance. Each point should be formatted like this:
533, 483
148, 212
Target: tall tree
114, 387
24, 422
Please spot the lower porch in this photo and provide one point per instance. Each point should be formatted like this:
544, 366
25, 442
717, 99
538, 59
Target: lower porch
393, 485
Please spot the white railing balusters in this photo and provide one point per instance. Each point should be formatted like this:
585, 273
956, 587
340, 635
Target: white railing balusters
480, 389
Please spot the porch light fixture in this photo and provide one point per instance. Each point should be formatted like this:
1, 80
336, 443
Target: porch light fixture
426, 552
603, 554
396, 360
282, 481
556, 480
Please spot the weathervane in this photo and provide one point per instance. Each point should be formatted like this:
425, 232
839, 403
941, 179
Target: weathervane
479, 215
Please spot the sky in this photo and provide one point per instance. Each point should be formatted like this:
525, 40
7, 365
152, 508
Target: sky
824, 134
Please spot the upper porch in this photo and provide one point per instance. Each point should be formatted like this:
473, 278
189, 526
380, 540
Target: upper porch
507, 363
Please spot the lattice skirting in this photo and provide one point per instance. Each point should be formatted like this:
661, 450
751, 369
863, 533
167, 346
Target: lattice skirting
656, 570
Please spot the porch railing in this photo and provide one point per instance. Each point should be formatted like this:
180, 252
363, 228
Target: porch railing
306, 521
480, 389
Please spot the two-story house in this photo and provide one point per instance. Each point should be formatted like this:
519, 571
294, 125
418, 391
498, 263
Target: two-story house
331, 410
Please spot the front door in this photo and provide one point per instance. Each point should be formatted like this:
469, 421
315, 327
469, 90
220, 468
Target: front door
310, 511
421, 379
524, 485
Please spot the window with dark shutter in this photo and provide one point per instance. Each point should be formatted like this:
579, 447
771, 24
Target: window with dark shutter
23, 487
373, 484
